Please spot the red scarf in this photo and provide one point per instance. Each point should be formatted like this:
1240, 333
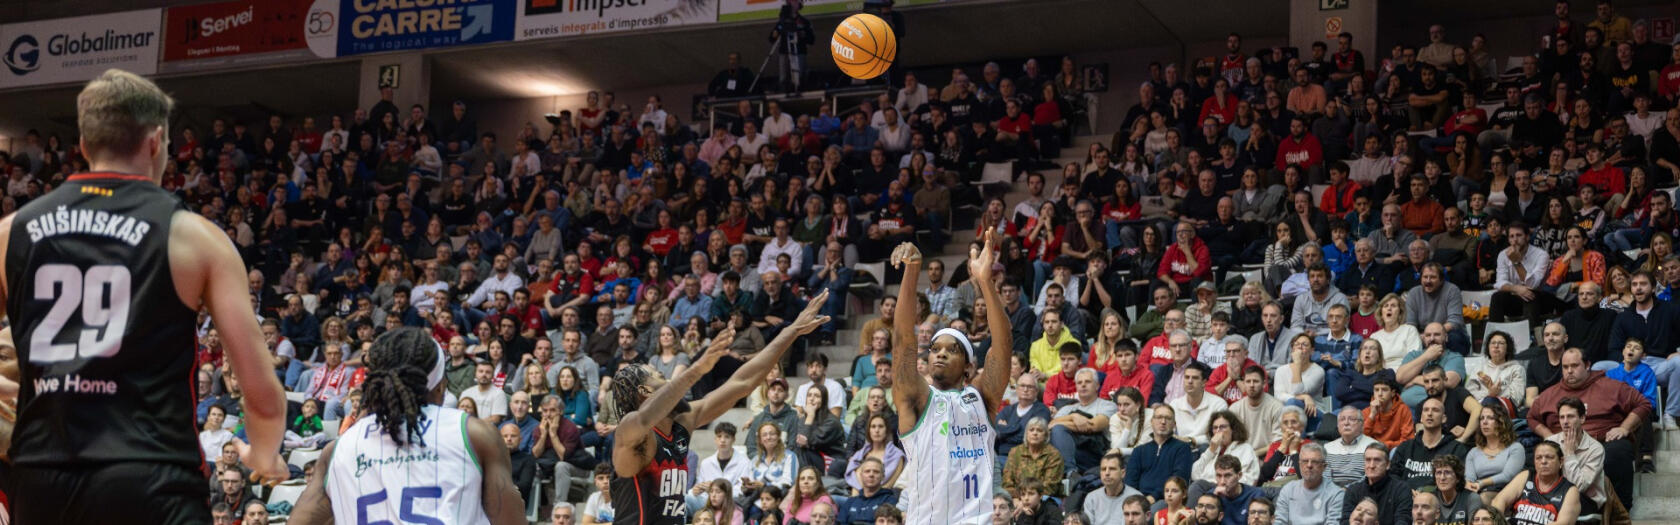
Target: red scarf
331, 380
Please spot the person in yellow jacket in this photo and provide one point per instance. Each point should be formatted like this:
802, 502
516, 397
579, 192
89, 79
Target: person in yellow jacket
1043, 353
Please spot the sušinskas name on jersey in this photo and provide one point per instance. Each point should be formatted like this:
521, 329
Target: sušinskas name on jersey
65, 221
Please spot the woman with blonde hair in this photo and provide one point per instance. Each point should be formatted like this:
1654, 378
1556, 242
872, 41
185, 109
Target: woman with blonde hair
1397, 337
1245, 315
1102, 355
535, 384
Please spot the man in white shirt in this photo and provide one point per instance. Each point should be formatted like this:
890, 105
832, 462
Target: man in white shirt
749, 142
894, 134
430, 282
1196, 408
776, 123
816, 369
502, 279
912, 96
1521, 270
492, 402
722, 465
1372, 165
653, 113
780, 244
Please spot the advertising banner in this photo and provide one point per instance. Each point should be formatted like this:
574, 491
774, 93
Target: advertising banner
563, 18
77, 49
377, 26
232, 34
740, 10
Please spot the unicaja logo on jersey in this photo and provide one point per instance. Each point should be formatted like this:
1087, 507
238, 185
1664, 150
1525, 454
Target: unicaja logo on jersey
967, 430
24, 55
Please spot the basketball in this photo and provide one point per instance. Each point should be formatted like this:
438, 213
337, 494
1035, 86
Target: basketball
863, 46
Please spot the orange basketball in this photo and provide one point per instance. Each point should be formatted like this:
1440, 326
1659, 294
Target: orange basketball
863, 46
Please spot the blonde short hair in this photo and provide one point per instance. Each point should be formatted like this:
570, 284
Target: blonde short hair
116, 112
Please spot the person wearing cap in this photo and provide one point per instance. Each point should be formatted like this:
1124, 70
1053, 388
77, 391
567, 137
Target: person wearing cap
776, 411
1080, 429
1198, 316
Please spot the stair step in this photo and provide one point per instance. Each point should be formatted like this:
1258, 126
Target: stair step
1657, 485
1662, 509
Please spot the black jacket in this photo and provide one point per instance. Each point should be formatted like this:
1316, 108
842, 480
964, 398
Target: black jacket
1394, 499
1589, 330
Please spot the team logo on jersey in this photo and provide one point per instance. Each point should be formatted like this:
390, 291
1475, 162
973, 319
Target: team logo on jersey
966, 430
939, 406
971, 397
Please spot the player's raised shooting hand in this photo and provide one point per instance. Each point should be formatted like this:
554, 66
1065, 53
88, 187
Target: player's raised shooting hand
905, 253
980, 260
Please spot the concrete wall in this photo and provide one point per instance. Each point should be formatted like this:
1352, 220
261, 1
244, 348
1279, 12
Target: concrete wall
1307, 25
505, 117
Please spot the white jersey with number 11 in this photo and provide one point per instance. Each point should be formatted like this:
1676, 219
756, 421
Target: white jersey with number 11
951, 460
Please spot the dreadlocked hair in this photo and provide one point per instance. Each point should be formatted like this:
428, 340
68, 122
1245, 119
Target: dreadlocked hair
395, 388
626, 387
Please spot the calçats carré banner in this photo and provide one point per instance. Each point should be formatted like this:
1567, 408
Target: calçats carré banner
335, 28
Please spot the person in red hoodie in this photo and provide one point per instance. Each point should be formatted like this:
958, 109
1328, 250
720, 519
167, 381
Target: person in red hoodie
1060, 385
1301, 149
1221, 106
1337, 200
1128, 372
1609, 179
1186, 261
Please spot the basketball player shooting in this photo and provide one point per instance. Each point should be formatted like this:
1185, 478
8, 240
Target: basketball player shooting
409, 460
650, 446
104, 278
946, 421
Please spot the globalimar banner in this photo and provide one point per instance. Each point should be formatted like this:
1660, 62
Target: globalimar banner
78, 49
354, 27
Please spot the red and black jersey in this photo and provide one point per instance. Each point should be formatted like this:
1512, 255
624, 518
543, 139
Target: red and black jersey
105, 345
1539, 505
655, 495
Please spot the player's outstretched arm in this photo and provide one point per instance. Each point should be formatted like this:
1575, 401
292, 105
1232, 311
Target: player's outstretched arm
207, 260
502, 502
752, 372
313, 506
633, 427
994, 375
910, 391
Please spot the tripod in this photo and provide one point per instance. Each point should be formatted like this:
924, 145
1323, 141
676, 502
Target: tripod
780, 36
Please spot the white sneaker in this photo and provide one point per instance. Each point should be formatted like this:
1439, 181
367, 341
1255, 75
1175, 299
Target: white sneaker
1668, 423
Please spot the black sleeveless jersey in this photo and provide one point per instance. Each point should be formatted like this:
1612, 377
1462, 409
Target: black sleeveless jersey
104, 343
1539, 505
655, 495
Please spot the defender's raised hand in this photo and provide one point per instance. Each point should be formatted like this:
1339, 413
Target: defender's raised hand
808, 319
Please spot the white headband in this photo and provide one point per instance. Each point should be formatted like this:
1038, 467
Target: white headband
436, 375
961, 338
